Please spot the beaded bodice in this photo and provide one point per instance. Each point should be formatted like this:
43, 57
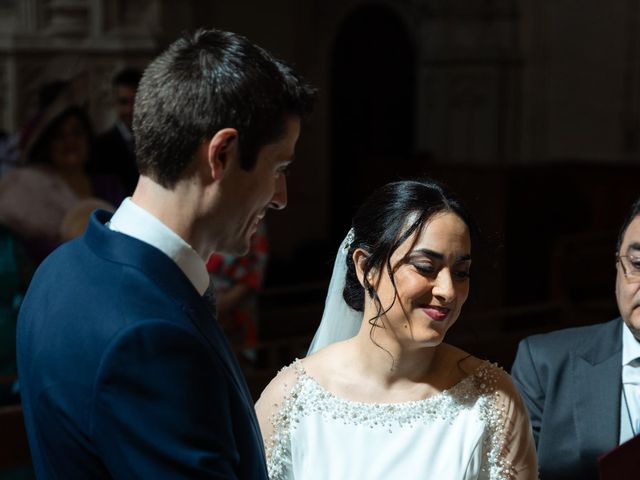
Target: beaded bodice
474, 400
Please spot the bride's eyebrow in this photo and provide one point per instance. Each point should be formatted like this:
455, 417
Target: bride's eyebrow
439, 256
428, 253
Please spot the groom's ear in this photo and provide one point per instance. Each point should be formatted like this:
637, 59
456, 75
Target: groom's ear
222, 151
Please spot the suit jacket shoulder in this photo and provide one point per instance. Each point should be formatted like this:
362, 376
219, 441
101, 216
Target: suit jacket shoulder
591, 341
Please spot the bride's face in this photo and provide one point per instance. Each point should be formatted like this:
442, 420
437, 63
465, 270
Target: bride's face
431, 274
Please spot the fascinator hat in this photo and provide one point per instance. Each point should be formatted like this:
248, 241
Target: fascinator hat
65, 96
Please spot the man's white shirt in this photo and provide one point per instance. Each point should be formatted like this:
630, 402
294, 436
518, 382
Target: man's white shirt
134, 221
630, 417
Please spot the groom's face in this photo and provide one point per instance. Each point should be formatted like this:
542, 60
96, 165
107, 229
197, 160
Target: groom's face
253, 192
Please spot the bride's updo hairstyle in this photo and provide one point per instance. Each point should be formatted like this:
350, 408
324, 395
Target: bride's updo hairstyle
386, 219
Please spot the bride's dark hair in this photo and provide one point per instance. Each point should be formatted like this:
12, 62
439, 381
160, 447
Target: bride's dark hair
386, 219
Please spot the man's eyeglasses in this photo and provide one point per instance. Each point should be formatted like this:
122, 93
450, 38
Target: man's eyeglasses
630, 267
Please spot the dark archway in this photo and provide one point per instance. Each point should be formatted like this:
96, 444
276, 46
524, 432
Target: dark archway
372, 108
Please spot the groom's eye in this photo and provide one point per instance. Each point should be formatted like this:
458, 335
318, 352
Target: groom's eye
284, 170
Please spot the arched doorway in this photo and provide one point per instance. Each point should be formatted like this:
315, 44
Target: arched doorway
373, 72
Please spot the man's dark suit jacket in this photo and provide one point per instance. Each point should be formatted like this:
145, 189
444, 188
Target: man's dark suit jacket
113, 156
571, 383
124, 373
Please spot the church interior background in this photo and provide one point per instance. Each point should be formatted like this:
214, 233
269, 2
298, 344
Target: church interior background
529, 109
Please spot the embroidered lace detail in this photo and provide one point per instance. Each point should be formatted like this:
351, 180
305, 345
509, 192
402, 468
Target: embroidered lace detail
307, 397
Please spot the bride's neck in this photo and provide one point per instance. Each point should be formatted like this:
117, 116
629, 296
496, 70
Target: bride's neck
388, 361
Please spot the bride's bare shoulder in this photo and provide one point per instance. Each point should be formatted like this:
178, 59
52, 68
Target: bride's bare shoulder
326, 361
315, 365
457, 360
466, 364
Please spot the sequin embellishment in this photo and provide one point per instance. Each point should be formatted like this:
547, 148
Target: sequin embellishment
307, 397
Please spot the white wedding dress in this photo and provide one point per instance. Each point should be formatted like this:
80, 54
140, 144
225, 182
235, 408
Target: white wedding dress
477, 429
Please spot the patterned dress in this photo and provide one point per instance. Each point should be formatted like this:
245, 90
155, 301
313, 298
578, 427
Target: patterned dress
241, 323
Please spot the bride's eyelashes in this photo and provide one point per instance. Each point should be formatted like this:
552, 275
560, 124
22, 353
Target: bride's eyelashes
424, 269
429, 270
462, 274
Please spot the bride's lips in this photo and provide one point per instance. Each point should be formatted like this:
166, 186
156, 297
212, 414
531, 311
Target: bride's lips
435, 312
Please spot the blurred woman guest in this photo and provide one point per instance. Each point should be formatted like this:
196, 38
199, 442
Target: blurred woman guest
46, 201
394, 401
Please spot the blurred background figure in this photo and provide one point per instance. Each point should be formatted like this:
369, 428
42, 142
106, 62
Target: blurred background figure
115, 149
13, 144
237, 282
15, 274
9, 151
42, 201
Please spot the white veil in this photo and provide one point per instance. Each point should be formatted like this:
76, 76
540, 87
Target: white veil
339, 320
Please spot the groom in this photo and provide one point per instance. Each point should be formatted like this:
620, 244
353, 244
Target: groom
124, 371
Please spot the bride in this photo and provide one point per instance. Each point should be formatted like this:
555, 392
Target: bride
381, 396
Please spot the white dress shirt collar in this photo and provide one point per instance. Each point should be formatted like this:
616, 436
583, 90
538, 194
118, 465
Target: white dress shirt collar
133, 220
630, 346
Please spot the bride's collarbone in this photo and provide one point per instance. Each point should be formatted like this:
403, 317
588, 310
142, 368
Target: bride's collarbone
351, 385
341, 378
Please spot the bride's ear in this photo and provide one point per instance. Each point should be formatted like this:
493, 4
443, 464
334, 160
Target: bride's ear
359, 258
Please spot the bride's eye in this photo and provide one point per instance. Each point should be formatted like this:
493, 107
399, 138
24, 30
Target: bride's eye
424, 268
462, 274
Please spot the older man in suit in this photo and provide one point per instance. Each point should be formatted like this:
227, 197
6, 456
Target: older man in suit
124, 371
582, 385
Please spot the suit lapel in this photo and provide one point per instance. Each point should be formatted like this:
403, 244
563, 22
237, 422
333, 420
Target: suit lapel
208, 326
597, 389
170, 279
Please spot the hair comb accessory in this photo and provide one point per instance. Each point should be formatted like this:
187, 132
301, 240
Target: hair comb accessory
349, 240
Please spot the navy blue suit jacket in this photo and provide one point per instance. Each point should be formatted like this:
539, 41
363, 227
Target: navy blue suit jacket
571, 382
124, 373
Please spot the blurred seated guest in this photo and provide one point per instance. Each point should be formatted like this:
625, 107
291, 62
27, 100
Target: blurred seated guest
237, 281
77, 218
9, 151
36, 198
115, 151
11, 145
15, 274
582, 385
